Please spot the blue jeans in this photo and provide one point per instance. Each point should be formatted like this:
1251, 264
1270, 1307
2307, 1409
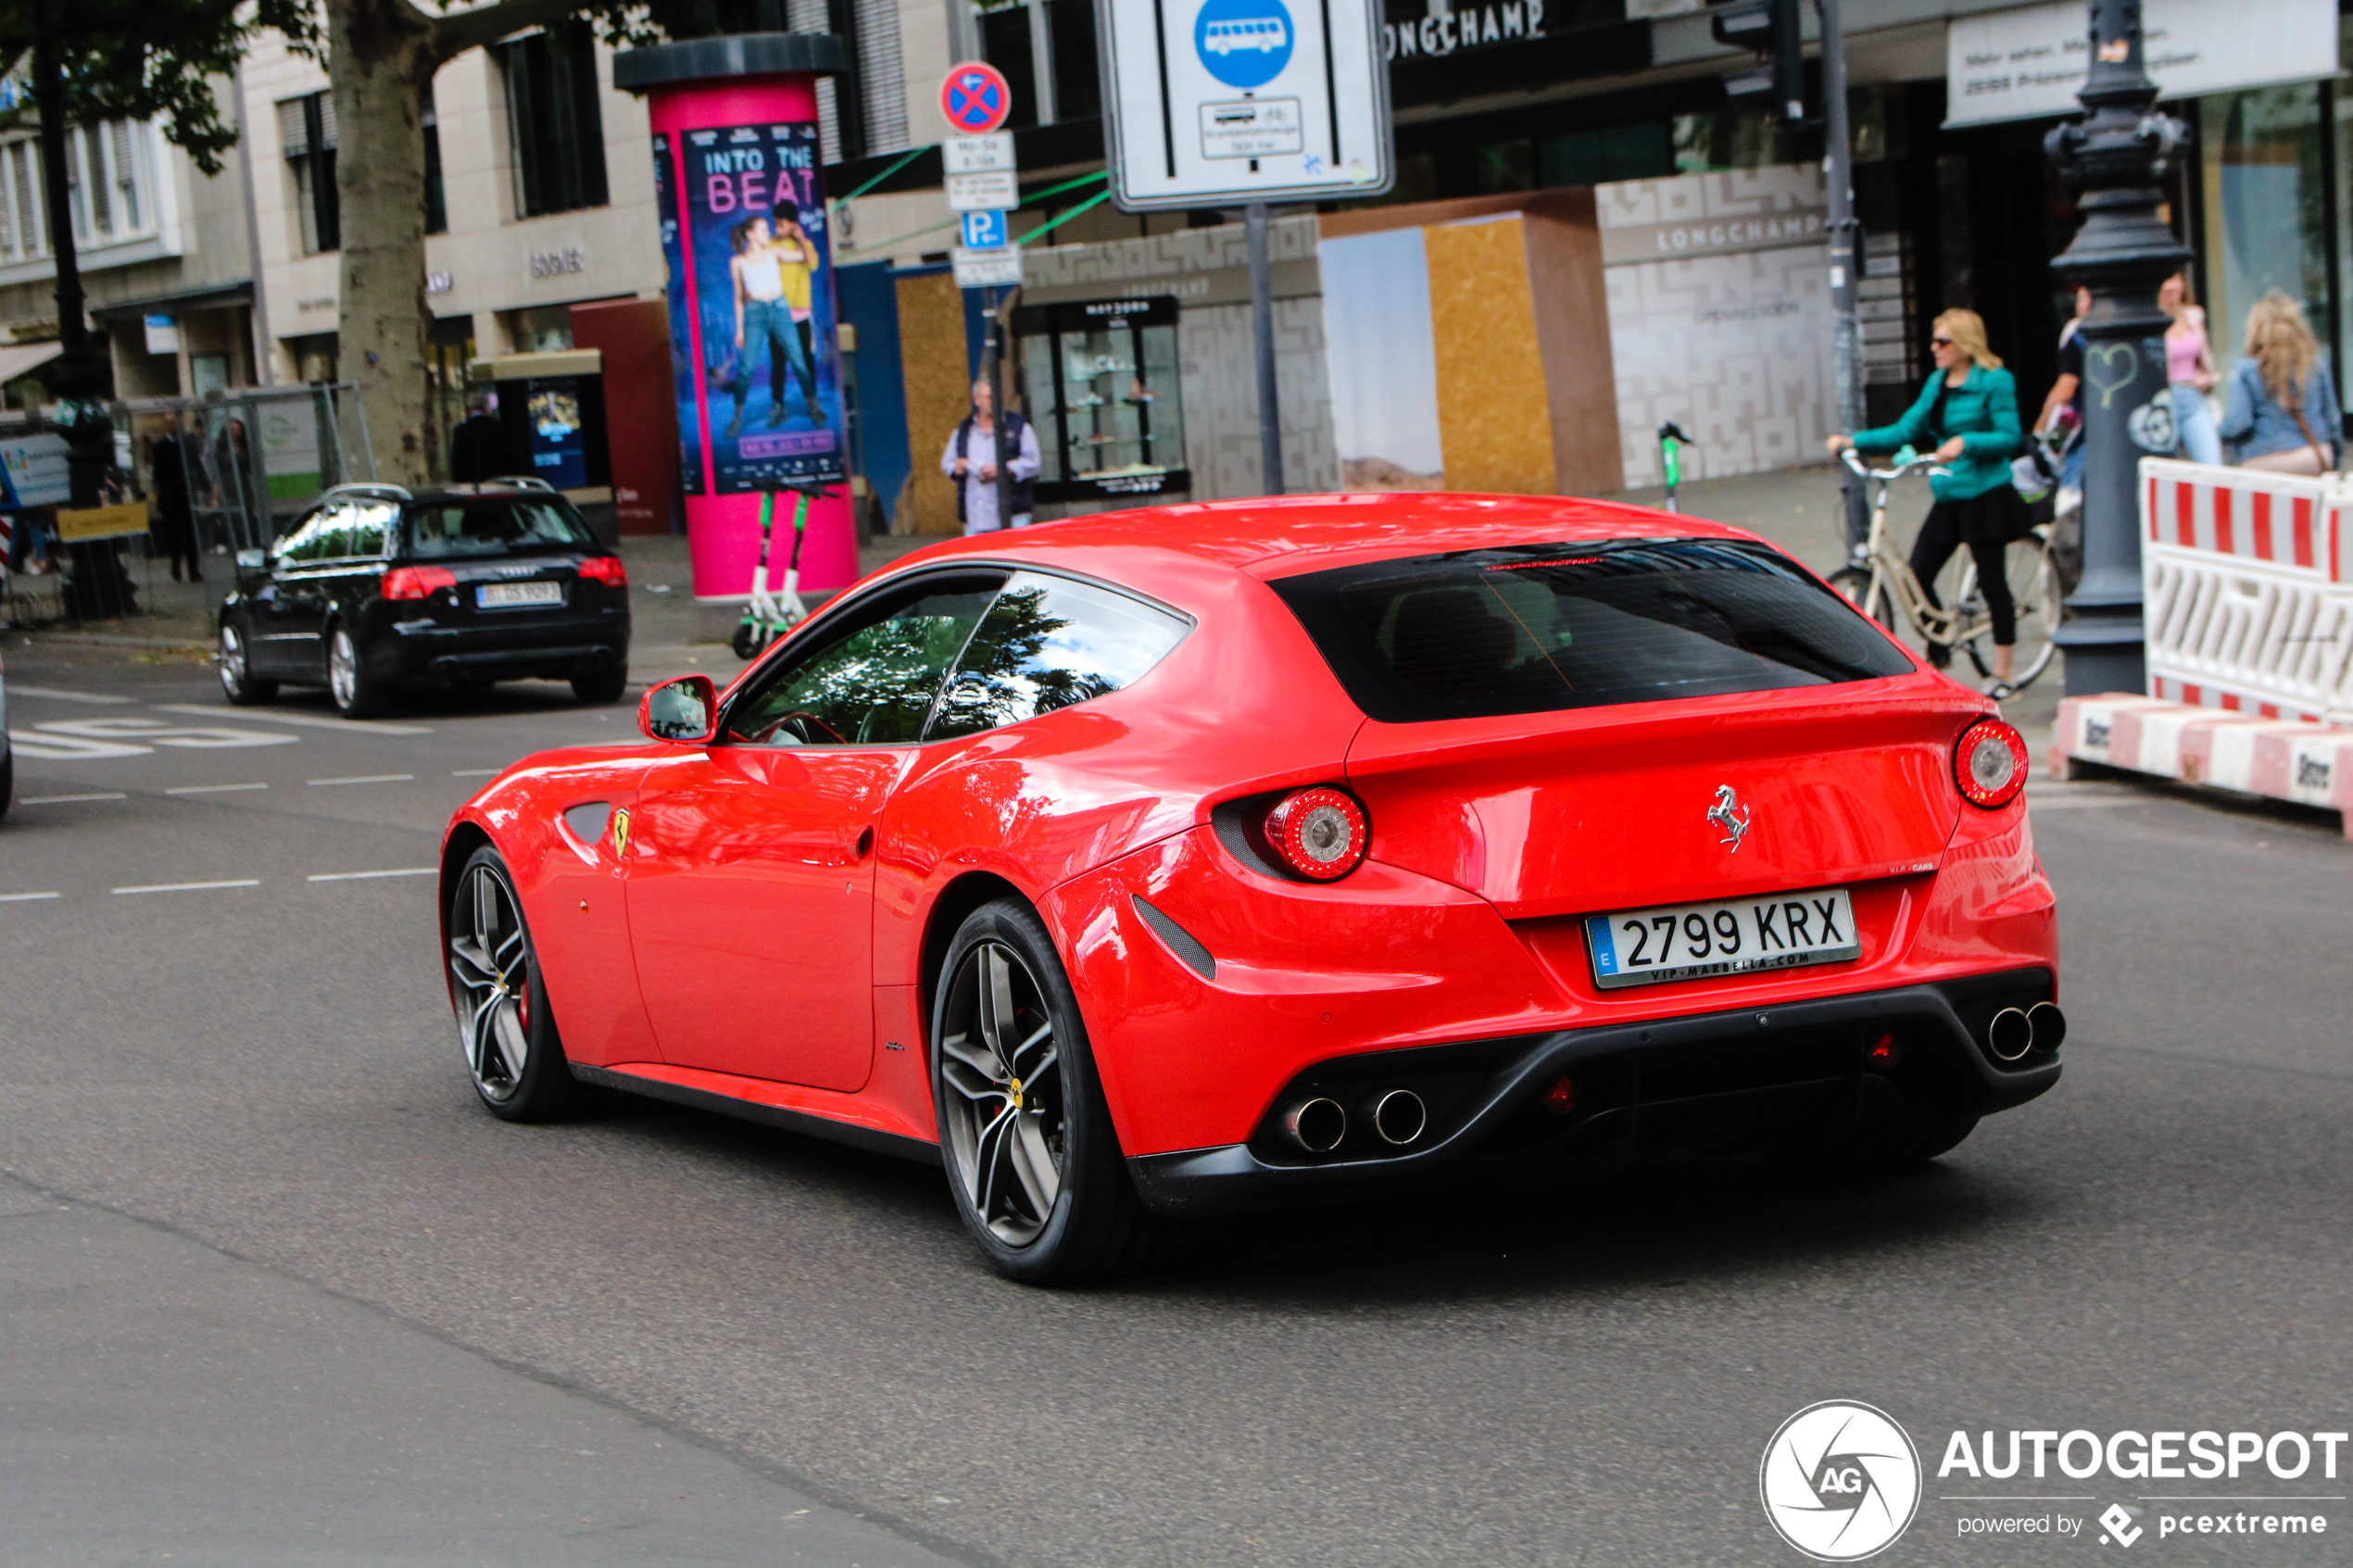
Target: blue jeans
771, 321
2193, 425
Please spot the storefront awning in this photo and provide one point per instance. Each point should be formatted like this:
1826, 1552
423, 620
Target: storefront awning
23, 358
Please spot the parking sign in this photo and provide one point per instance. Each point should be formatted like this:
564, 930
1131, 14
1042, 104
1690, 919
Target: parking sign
1228, 102
986, 230
976, 98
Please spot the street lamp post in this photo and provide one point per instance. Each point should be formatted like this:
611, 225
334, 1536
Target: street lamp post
2114, 160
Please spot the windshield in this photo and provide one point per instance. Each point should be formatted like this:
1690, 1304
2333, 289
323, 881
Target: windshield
1533, 628
497, 525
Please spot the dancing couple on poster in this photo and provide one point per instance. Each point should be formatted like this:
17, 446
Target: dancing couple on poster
773, 267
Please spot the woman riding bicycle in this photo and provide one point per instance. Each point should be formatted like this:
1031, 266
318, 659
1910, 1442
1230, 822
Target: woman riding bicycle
1968, 410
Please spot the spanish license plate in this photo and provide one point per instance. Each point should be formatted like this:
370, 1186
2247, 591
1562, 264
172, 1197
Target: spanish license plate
1688, 941
507, 596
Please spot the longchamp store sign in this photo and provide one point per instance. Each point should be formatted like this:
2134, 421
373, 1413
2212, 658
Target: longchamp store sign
2029, 64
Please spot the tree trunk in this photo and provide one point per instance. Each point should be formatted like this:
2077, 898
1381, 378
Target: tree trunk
383, 59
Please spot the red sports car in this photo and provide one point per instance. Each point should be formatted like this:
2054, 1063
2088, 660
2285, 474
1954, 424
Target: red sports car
1216, 855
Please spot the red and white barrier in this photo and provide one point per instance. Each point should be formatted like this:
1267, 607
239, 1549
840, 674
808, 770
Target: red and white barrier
2282, 759
2248, 581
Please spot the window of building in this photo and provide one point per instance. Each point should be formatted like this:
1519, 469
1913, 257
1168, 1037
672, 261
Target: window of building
307, 133
540, 329
552, 121
27, 228
109, 183
437, 206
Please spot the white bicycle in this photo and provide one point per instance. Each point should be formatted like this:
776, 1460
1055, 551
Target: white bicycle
1881, 583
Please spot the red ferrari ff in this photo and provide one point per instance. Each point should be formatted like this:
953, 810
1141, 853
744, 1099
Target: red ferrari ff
1225, 855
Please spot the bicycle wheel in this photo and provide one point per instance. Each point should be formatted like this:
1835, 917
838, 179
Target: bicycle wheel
2034, 589
1856, 583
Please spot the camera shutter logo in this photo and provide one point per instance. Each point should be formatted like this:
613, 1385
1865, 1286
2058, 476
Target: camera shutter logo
1840, 1481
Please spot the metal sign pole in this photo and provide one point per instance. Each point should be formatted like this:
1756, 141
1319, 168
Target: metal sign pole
1262, 327
1847, 269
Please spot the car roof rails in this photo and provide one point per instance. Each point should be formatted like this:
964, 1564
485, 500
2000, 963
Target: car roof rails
521, 482
368, 487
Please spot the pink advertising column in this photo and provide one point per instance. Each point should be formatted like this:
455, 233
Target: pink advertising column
740, 188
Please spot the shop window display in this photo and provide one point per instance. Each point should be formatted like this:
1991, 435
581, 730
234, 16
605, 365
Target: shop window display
1100, 378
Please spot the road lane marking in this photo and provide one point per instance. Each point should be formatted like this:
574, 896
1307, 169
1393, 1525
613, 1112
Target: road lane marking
371, 876
61, 799
299, 720
190, 886
24, 897
55, 693
368, 778
212, 789
474, 772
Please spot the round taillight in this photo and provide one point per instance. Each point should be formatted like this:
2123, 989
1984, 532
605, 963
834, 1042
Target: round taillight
1319, 832
1989, 764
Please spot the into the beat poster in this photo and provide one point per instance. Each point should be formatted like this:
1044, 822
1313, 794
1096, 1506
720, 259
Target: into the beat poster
762, 313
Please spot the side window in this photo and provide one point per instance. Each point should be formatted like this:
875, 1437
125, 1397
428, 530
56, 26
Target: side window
369, 525
873, 679
308, 541
1048, 643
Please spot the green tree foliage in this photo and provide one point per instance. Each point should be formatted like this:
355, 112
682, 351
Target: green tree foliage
151, 59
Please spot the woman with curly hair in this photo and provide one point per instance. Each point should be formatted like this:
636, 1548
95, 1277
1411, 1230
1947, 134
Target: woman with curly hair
2283, 413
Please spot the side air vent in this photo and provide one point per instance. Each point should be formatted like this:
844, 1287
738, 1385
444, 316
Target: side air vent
1183, 943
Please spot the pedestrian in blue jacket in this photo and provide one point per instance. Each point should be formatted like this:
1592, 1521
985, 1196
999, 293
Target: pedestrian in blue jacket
1968, 414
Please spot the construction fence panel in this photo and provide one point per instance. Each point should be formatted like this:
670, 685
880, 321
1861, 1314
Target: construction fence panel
2247, 602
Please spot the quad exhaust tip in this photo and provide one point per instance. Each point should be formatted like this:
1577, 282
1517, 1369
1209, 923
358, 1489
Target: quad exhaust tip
2016, 1031
1316, 1125
1399, 1116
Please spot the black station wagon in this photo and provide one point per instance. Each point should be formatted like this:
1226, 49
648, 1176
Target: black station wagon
378, 587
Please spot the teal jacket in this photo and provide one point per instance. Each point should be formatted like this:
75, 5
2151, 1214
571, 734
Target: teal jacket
1982, 411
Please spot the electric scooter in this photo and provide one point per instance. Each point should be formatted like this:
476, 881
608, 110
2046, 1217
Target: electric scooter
769, 615
1672, 442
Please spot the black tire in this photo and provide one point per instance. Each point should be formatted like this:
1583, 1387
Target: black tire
357, 693
604, 686
1095, 1224
238, 683
485, 1000
748, 641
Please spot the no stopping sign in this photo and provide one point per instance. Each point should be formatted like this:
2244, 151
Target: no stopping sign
976, 98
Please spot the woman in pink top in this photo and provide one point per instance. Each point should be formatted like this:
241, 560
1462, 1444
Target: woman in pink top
2189, 365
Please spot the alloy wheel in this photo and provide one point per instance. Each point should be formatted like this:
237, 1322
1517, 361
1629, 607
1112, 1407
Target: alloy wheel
343, 668
233, 669
1005, 1110
491, 963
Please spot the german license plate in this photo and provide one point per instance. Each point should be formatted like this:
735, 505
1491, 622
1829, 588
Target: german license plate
1688, 941
507, 596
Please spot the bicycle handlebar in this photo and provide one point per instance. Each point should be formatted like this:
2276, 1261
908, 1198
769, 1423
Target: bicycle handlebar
1854, 460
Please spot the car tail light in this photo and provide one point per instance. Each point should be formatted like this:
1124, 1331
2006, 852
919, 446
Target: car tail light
1319, 832
1561, 1099
417, 581
1989, 764
607, 569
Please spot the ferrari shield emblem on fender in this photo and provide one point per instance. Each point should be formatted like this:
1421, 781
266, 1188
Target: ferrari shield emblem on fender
620, 833
1732, 816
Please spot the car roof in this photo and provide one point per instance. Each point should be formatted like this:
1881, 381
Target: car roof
1281, 537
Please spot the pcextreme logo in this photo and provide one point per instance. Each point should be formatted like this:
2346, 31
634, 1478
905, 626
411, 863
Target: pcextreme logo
1840, 1480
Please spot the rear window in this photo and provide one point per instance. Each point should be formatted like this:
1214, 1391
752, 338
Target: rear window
499, 526
1533, 628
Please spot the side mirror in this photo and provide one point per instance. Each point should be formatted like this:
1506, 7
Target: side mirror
681, 711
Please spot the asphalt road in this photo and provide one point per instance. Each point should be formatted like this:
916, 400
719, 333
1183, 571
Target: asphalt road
274, 1289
